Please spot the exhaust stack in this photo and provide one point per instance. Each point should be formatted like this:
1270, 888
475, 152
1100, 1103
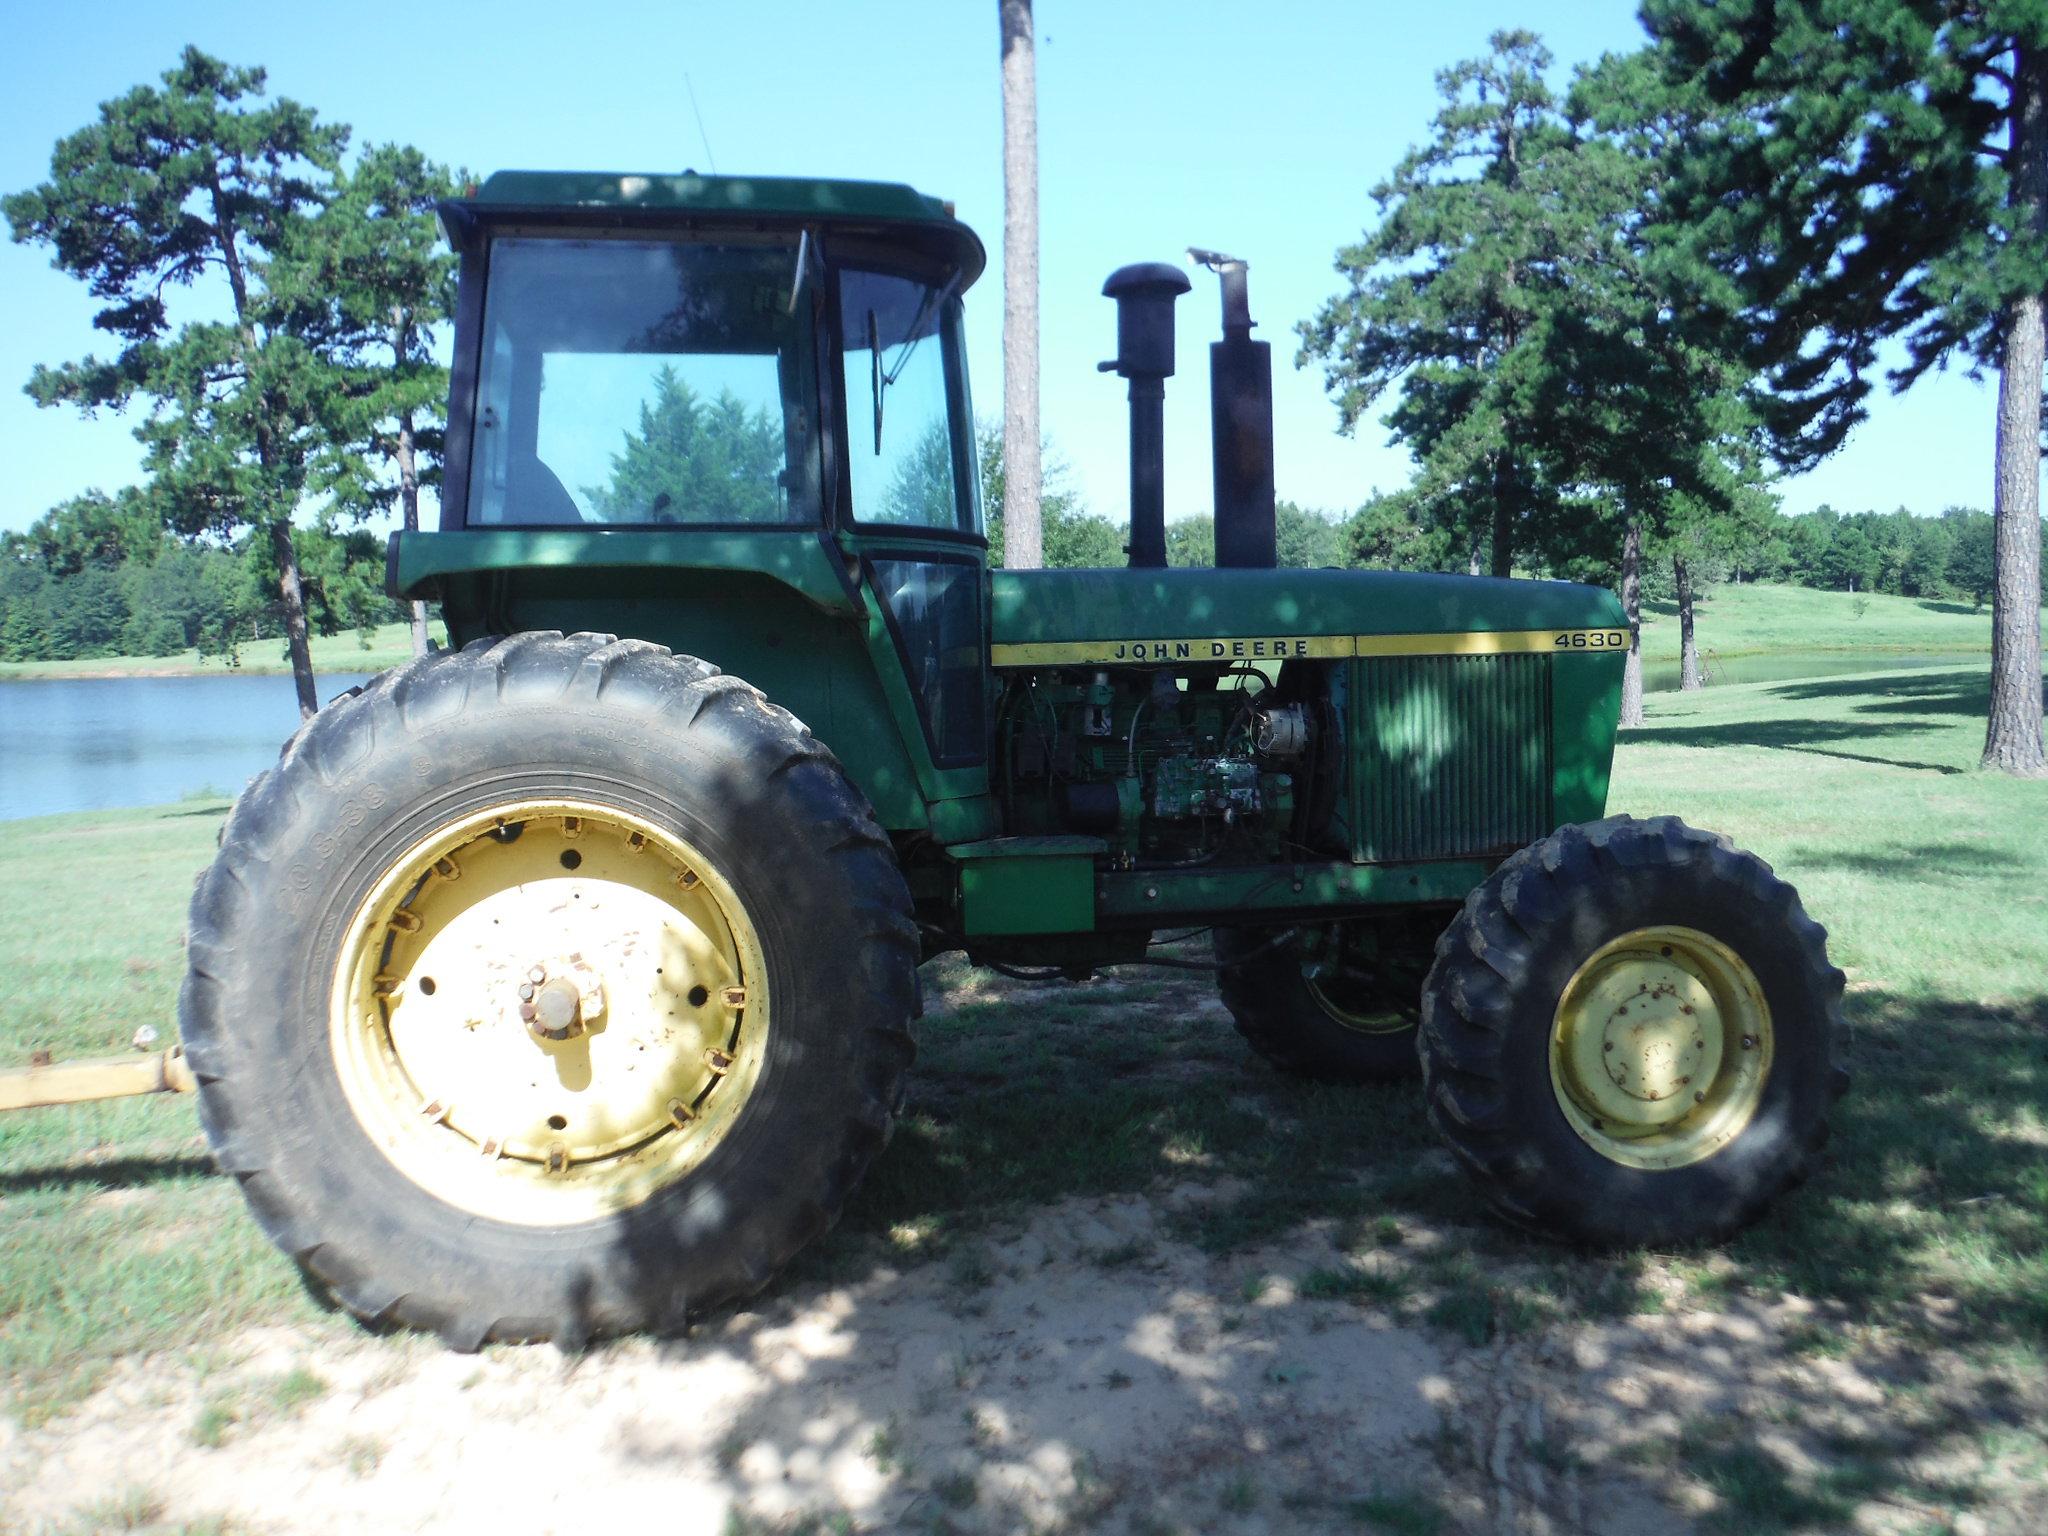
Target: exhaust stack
1240, 424
1144, 296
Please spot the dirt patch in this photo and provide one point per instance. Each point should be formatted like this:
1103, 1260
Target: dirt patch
1077, 1371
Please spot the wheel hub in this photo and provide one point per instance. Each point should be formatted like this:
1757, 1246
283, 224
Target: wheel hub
1660, 1047
559, 1006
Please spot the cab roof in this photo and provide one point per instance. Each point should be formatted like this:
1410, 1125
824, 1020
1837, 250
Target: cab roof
665, 198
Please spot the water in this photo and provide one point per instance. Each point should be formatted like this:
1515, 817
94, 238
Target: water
96, 743
1787, 666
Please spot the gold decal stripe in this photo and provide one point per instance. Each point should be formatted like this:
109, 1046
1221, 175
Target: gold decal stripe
1494, 642
1154, 652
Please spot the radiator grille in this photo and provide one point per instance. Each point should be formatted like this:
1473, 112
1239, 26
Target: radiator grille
1450, 755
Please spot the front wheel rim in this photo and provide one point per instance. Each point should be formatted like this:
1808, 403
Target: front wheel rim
548, 1010
1660, 1048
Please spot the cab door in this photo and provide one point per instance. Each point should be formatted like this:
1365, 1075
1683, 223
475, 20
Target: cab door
911, 508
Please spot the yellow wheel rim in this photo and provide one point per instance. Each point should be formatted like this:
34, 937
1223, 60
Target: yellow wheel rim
1368, 1021
1660, 1048
548, 1010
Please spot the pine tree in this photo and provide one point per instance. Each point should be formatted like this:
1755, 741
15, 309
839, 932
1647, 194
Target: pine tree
1445, 298
375, 262
1868, 171
176, 185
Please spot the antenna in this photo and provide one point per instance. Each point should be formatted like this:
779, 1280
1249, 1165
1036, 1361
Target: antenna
710, 158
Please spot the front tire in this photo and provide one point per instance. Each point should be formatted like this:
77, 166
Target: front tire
1628, 1035
556, 987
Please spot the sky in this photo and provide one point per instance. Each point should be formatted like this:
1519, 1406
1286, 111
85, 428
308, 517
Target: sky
1255, 130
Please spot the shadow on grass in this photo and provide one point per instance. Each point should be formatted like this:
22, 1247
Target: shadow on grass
1816, 736
1893, 707
1955, 860
119, 1173
1945, 692
1933, 1211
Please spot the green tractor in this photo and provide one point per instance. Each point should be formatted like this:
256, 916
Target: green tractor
563, 983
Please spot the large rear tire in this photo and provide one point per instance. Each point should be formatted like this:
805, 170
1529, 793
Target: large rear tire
553, 988
1628, 1035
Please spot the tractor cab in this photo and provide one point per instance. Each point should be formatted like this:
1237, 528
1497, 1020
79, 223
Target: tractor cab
710, 353
732, 415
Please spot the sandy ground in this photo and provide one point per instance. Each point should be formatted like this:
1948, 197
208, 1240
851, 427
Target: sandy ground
1072, 1369
1049, 1393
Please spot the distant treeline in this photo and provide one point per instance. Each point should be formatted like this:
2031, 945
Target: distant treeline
97, 578
1894, 552
1949, 556
100, 578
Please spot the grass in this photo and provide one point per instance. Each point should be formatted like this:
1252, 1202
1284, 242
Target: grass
351, 651
116, 1235
1758, 617
1927, 1231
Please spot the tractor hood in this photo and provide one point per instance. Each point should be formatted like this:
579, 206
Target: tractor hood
1121, 617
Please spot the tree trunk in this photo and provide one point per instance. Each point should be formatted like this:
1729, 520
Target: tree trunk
2012, 736
409, 505
1689, 676
1632, 610
1022, 538
1472, 562
1504, 513
290, 589
293, 591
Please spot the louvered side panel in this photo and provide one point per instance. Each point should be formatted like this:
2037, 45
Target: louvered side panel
1450, 755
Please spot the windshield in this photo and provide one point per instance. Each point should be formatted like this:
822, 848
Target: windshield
643, 382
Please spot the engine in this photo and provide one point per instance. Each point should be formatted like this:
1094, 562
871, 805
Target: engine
1170, 768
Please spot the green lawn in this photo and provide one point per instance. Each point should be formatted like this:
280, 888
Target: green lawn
1745, 620
1927, 1233
387, 645
116, 1235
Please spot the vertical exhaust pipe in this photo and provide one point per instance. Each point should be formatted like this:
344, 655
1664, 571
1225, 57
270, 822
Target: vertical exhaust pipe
1144, 296
1240, 425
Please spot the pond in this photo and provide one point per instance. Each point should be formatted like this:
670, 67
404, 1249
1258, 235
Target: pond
1786, 666
96, 743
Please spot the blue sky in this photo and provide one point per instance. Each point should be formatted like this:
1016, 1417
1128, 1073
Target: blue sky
1258, 130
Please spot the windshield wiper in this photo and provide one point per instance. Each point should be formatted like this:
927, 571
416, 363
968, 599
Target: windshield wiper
806, 257
878, 381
